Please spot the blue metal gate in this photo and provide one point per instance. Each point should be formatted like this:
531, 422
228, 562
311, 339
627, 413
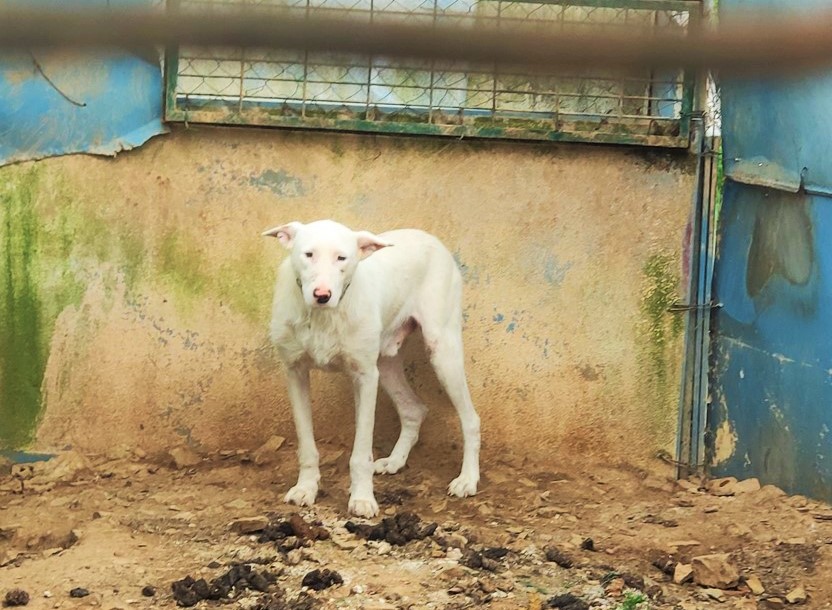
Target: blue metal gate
770, 410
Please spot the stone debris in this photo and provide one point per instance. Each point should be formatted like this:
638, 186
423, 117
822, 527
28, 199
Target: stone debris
64, 467
714, 571
267, 452
797, 596
682, 573
725, 486
676, 545
249, 525
688, 485
717, 594
754, 584
496, 559
615, 587
182, 458
747, 486
238, 504
79, 592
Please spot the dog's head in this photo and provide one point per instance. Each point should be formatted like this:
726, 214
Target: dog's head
324, 256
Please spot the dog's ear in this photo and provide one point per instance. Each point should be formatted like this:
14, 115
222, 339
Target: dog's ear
368, 243
285, 233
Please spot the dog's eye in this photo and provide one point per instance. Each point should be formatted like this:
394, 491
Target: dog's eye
342, 258
308, 254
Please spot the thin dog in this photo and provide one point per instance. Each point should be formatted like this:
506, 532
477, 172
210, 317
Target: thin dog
346, 300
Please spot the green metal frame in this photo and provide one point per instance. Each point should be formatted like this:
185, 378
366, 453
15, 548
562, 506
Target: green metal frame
532, 129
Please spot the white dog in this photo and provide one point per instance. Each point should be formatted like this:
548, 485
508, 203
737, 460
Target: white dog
337, 307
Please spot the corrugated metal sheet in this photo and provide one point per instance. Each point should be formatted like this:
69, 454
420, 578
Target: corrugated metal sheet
782, 133
771, 407
63, 102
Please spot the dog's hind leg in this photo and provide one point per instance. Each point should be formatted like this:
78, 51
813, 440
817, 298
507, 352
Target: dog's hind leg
411, 412
447, 358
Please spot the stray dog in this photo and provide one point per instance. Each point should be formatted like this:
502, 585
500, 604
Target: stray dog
338, 307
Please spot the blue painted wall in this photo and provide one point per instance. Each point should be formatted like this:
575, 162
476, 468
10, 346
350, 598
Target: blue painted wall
771, 405
96, 102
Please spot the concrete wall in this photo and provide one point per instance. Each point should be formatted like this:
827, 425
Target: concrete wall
138, 289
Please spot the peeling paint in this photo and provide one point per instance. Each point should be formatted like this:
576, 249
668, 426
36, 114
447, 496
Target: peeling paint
470, 275
553, 272
279, 182
725, 443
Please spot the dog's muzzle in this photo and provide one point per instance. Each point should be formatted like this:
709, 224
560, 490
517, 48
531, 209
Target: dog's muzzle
324, 298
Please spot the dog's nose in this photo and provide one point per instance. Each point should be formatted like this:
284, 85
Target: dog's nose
322, 296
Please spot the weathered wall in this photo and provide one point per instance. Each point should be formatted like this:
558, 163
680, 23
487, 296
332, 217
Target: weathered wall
137, 290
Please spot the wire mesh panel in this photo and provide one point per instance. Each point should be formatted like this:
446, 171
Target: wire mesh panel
382, 94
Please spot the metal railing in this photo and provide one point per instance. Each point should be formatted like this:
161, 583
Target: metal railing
297, 88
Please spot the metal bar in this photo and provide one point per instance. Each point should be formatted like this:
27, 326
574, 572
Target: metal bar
788, 44
627, 121
171, 67
369, 80
649, 5
700, 405
689, 86
432, 89
708, 253
229, 117
687, 441
646, 5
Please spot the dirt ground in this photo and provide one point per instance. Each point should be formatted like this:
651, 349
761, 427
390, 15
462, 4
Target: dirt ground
120, 529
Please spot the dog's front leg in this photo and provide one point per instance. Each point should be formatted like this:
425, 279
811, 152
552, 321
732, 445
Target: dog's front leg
362, 501
304, 492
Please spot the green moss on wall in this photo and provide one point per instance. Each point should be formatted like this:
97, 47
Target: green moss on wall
21, 361
52, 241
181, 264
659, 332
243, 282
38, 283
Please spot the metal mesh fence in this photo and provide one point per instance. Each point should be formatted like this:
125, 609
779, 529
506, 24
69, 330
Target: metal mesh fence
265, 86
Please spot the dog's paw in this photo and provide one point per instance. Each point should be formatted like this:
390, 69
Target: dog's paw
363, 507
463, 486
302, 495
389, 465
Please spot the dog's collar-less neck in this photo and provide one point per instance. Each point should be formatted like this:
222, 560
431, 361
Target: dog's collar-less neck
343, 292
